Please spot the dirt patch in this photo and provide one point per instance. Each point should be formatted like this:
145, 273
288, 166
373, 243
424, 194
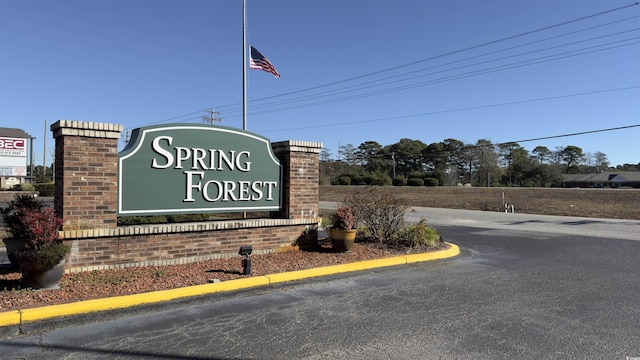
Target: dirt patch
597, 203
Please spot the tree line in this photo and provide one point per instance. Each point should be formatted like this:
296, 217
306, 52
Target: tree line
452, 162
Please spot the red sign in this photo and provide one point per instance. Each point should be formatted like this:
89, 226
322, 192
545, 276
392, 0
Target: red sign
12, 144
12, 147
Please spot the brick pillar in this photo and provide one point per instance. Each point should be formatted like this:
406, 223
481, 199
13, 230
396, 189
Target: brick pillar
86, 173
300, 178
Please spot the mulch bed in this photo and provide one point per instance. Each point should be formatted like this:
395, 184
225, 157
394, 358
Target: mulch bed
108, 283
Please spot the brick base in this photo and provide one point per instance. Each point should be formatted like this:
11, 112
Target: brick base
86, 198
179, 244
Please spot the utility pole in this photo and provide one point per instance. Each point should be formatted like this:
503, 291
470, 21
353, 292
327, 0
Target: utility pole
393, 158
44, 150
127, 136
211, 118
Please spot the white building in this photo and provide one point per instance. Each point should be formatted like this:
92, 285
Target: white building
16, 157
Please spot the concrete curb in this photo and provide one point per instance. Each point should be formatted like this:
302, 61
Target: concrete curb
18, 317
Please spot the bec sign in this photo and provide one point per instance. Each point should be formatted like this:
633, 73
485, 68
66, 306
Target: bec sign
13, 147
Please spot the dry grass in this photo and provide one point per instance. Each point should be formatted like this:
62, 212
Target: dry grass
597, 203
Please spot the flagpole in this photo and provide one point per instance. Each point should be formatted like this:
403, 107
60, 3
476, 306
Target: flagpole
244, 65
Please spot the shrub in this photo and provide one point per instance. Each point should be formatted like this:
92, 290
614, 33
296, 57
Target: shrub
419, 234
23, 187
45, 189
378, 179
14, 215
415, 182
382, 180
28, 219
178, 218
343, 180
138, 220
368, 179
399, 181
382, 214
431, 182
358, 179
325, 222
162, 219
416, 174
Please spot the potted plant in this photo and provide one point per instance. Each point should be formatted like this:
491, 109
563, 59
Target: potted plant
342, 230
12, 216
37, 247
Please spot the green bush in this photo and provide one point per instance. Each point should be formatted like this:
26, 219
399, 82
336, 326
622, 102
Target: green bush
416, 174
23, 187
46, 257
161, 219
415, 182
431, 182
41, 179
367, 179
138, 220
177, 218
45, 189
377, 179
419, 234
343, 180
399, 181
357, 179
381, 180
381, 214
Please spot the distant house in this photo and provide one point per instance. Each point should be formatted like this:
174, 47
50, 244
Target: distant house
609, 179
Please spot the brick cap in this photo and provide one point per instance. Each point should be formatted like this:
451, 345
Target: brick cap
297, 146
184, 227
86, 129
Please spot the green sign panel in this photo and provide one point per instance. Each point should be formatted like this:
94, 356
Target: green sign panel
186, 168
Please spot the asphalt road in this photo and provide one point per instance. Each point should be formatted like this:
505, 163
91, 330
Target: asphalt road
519, 289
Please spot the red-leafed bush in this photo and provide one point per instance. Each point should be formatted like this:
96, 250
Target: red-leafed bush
343, 219
28, 219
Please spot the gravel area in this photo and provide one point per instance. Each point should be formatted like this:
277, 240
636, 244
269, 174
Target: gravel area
107, 283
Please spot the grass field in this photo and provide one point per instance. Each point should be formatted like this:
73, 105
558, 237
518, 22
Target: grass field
597, 203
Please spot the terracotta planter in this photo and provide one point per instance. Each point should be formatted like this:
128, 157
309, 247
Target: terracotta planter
342, 240
13, 244
37, 276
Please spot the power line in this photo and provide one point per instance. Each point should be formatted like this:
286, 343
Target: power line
451, 52
526, 62
458, 109
572, 134
503, 67
434, 81
494, 69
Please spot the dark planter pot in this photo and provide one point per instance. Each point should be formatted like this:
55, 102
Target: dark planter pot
13, 244
36, 276
342, 240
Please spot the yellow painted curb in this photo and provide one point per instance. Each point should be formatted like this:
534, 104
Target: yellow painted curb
334, 269
11, 317
16, 317
125, 301
452, 251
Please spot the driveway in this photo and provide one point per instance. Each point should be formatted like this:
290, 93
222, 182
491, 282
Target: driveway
608, 228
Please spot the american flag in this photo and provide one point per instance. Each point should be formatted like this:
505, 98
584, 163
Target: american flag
258, 61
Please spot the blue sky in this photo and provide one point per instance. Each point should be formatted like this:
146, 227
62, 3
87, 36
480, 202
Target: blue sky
351, 71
